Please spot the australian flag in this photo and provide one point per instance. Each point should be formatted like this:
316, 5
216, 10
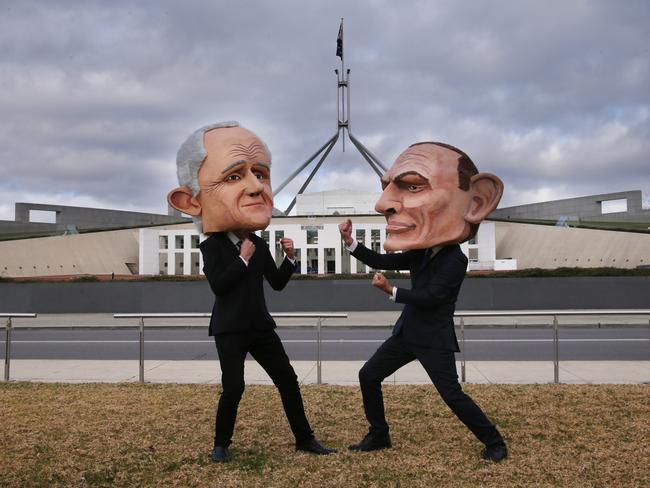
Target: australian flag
339, 42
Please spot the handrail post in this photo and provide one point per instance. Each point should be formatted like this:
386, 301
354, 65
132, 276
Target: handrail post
462, 341
141, 376
556, 352
8, 349
319, 324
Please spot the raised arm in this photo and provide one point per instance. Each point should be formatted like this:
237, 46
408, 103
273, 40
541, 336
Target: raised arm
371, 258
398, 260
279, 277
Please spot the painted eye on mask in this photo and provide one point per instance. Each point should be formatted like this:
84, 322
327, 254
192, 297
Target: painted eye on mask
410, 187
233, 177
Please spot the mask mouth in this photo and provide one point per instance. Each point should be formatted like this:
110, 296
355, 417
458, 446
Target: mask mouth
397, 227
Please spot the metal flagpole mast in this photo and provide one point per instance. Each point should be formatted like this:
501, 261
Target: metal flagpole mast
342, 85
343, 123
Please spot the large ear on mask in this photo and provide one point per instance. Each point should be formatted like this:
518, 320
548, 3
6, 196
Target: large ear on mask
181, 199
486, 190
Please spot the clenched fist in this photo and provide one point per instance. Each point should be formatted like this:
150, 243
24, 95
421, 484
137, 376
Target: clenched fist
247, 249
345, 228
381, 282
287, 247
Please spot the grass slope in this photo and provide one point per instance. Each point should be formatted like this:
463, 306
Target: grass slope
160, 435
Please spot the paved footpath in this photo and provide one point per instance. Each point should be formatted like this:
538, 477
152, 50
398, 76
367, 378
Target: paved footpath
332, 372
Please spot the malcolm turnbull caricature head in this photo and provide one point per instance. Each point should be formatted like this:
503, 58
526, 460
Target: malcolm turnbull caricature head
433, 195
224, 172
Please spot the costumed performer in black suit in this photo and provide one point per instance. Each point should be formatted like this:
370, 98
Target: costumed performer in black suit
433, 199
225, 175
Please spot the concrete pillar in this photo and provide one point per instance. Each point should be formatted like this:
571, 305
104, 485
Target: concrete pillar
187, 253
338, 260
303, 260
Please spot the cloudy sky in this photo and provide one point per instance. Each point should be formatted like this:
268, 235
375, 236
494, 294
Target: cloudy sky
96, 96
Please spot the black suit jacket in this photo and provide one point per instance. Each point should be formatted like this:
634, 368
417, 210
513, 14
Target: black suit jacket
239, 290
428, 316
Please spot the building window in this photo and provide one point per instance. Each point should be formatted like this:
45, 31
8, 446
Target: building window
472, 254
265, 235
613, 206
45, 216
162, 263
473, 241
296, 254
180, 242
312, 261
375, 240
279, 253
330, 260
195, 270
279, 234
195, 241
312, 237
361, 235
164, 242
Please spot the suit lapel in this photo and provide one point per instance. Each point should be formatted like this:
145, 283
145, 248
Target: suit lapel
229, 249
425, 262
421, 261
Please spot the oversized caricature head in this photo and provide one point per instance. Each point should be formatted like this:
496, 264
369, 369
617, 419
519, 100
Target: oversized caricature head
434, 195
225, 175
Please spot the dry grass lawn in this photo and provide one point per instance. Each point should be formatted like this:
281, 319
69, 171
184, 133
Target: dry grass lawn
160, 435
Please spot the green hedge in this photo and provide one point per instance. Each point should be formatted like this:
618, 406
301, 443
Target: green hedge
521, 273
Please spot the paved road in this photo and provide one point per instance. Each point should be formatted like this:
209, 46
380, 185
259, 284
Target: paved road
482, 344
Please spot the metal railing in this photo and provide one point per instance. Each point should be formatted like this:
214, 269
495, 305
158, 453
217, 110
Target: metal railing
8, 329
320, 317
542, 313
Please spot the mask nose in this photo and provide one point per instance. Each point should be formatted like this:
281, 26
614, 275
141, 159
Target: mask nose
254, 186
388, 203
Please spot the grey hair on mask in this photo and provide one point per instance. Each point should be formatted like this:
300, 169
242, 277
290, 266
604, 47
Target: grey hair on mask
190, 156
192, 153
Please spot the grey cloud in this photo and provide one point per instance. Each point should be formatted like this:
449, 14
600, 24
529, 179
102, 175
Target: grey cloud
97, 96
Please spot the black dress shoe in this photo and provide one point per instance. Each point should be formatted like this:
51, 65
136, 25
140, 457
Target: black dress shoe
495, 453
220, 454
312, 445
372, 442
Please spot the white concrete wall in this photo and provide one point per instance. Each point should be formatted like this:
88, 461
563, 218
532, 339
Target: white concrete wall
544, 246
328, 237
181, 248
77, 254
148, 257
345, 202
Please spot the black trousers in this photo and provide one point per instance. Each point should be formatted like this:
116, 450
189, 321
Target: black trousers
266, 348
440, 365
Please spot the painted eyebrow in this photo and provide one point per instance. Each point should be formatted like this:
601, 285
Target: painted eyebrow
241, 162
409, 173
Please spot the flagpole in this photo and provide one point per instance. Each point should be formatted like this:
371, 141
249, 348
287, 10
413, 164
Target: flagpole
343, 123
342, 50
343, 79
